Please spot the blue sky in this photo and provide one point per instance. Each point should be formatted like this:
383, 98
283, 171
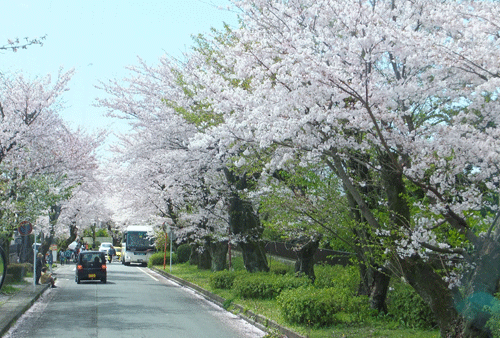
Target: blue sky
99, 39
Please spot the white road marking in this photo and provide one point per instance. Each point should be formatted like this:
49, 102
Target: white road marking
147, 273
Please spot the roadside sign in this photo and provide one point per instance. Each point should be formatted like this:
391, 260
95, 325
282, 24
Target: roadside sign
53, 247
171, 234
25, 228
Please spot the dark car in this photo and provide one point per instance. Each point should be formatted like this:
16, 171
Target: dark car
91, 265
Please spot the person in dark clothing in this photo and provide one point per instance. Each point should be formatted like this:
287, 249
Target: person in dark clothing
39, 265
111, 253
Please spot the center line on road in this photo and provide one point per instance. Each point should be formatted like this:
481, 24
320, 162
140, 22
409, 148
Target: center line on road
147, 273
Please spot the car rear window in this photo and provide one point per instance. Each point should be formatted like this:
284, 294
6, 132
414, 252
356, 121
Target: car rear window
89, 260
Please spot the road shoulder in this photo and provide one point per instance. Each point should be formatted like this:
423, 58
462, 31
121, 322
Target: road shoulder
261, 322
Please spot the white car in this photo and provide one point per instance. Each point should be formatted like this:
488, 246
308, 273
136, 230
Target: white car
105, 247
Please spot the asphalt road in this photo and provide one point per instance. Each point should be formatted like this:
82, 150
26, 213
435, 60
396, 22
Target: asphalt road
135, 302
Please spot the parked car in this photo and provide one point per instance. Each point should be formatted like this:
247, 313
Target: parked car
91, 265
104, 247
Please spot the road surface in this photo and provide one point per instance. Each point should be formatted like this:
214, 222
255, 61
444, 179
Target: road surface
135, 302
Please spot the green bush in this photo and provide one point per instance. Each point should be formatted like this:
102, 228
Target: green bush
408, 308
223, 279
494, 322
266, 285
183, 253
280, 268
19, 271
322, 306
157, 259
337, 276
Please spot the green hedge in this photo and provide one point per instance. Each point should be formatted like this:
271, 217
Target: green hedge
19, 271
280, 268
408, 308
266, 285
157, 259
337, 276
183, 253
223, 279
322, 306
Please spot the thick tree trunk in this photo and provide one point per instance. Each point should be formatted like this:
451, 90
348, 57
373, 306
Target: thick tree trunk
379, 288
254, 256
480, 286
204, 260
305, 258
72, 236
193, 257
420, 274
218, 253
435, 292
245, 224
200, 256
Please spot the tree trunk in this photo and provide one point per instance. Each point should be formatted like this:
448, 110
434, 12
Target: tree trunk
305, 258
245, 224
218, 253
72, 235
480, 286
204, 260
419, 274
193, 257
200, 256
373, 282
435, 292
379, 288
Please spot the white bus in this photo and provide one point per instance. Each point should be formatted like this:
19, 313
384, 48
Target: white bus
138, 244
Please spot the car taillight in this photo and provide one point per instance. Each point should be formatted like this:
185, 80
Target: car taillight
79, 267
103, 267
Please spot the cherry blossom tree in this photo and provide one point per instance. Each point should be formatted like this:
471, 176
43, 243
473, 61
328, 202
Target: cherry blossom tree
162, 174
193, 183
412, 86
36, 146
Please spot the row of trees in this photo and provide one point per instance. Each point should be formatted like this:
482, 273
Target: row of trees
372, 122
47, 170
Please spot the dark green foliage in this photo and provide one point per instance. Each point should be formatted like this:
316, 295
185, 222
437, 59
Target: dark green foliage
183, 253
408, 308
223, 279
337, 276
19, 271
322, 306
494, 322
237, 263
157, 259
266, 285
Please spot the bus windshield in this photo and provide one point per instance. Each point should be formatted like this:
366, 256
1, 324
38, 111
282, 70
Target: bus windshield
139, 240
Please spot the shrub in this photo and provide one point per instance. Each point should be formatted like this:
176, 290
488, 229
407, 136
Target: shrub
157, 259
223, 279
280, 268
266, 285
19, 271
493, 324
337, 276
322, 306
408, 308
183, 253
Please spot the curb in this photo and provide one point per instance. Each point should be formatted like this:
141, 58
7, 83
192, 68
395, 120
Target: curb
261, 322
25, 301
